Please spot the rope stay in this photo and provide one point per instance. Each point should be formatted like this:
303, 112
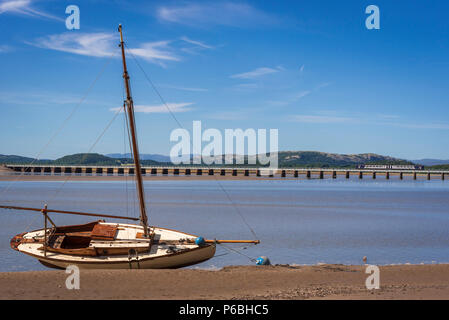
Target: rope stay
181, 126
238, 252
86, 154
64, 123
131, 154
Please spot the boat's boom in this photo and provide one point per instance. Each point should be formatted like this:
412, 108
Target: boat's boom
68, 212
233, 241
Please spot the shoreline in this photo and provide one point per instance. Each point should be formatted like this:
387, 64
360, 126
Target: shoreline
285, 282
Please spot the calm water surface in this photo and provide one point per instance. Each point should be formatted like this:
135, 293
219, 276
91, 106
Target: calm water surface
298, 222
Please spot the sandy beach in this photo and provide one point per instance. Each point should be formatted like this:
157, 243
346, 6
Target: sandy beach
237, 282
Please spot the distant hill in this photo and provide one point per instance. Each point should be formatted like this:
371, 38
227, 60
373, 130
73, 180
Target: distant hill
87, 159
311, 159
98, 160
143, 156
314, 159
13, 159
438, 167
91, 159
323, 159
430, 162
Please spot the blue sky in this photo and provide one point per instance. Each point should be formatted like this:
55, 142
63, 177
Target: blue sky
308, 68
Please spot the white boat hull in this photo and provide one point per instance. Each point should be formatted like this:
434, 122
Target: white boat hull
172, 249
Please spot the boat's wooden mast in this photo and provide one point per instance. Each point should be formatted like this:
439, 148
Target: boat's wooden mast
132, 125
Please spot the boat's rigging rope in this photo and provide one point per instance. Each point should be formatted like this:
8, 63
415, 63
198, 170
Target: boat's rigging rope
229, 251
85, 155
58, 131
238, 252
154, 87
131, 154
181, 126
125, 150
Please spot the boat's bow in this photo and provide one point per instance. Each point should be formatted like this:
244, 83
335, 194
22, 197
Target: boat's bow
16, 241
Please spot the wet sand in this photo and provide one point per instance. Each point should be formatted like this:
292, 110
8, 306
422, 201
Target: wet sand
240, 282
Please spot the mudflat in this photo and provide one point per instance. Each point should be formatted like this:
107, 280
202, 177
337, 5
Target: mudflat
236, 282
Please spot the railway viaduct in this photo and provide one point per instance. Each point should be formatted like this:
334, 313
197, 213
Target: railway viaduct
319, 173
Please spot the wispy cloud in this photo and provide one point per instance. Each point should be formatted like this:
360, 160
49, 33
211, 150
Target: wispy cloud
319, 119
379, 120
197, 43
322, 85
155, 52
104, 45
27, 97
256, 73
423, 125
182, 88
172, 107
291, 99
388, 116
5, 48
215, 13
87, 44
228, 116
24, 7
300, 95
246, 86
194, 46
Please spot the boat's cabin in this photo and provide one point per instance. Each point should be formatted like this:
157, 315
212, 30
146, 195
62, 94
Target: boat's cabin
93, 239
80, 236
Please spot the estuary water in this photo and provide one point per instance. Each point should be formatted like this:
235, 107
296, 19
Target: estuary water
298, 221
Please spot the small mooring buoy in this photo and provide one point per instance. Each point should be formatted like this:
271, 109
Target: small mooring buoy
263, 261
200, 241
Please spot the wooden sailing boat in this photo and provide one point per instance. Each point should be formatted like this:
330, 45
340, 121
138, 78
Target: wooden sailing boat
103, 245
